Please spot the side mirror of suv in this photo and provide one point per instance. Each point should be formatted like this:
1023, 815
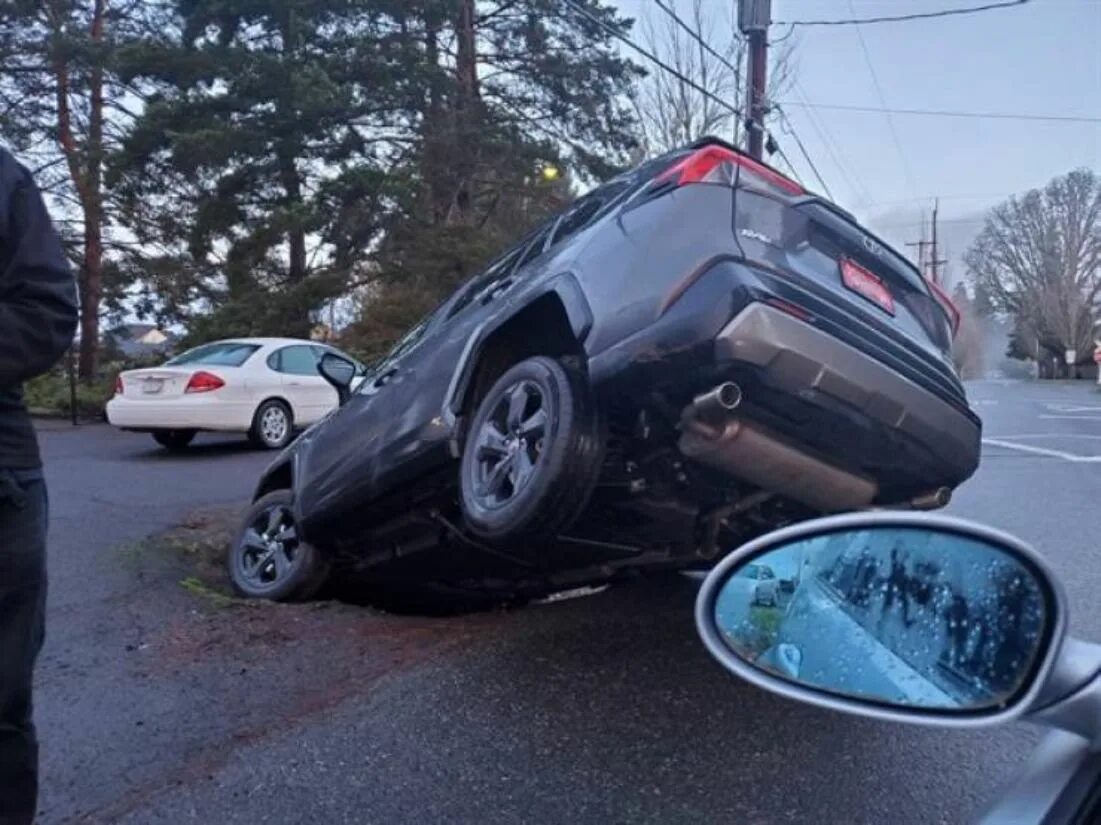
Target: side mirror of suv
340, 372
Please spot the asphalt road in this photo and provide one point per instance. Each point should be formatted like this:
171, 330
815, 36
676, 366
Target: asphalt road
157, 707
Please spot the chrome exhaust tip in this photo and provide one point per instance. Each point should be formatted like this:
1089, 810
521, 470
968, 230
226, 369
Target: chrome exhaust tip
724, 398
933, 500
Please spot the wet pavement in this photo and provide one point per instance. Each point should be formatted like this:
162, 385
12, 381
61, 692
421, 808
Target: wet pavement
157, 705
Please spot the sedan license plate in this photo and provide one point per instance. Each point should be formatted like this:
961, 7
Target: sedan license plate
867, 285
151, 386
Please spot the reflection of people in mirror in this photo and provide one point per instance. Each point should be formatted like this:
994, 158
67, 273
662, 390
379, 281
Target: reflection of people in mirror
898, 587
956, 616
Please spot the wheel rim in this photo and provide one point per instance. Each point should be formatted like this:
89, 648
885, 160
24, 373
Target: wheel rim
273, 425
269, 548
509, 444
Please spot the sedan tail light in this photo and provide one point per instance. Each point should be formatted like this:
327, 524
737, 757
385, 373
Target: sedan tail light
948, 305
118, 385
204, 382
717, 164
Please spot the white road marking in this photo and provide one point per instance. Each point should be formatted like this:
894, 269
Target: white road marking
1072, 408
1073, 417
1051, 435
1044, 451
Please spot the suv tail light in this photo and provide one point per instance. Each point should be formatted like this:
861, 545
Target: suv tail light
118, 385
717, 164
204, 382
948, 305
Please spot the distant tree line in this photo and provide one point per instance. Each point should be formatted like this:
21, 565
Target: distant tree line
1037, 261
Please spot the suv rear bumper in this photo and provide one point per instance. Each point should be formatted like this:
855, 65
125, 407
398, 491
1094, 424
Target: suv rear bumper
804, 361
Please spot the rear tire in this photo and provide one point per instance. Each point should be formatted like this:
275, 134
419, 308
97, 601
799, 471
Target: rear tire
533, 453
174, 440
268, 560
272, 425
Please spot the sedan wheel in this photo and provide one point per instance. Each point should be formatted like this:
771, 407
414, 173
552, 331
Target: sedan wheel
269, 560
272, 426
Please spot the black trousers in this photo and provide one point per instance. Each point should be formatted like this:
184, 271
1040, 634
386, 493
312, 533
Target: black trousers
23, 515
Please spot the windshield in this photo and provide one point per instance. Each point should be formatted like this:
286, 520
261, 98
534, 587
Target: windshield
221, 354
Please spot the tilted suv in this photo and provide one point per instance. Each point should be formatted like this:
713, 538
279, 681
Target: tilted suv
691, 354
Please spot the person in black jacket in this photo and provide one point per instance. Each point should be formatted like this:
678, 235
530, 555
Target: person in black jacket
37, 320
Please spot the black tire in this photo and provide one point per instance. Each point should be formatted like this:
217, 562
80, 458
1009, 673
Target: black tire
554, 468
267, 559
272, 425
174, 440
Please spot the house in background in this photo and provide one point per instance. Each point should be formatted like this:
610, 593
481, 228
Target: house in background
140, 340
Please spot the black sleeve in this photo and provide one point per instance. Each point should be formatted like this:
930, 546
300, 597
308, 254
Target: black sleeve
38, 309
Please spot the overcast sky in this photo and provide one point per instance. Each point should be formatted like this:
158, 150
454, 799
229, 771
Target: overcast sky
1043, 57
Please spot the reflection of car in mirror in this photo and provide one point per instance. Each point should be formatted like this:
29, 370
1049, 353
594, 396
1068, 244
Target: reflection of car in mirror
633, 386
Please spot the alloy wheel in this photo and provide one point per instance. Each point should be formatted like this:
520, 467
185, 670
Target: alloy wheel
274, 425
270, 548
510, 444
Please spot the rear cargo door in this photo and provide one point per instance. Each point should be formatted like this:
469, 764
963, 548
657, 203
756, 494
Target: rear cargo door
813, 240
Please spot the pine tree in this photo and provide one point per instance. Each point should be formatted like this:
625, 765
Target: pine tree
258, 171
62, 110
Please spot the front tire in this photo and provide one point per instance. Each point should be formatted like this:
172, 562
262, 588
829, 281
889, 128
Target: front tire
268, 559
272, 425
174, 440
532, 454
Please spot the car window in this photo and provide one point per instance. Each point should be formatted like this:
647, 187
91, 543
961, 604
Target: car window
296, 360
221, 354
589, 208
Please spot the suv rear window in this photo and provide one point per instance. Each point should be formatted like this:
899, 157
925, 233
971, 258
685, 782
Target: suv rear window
222, 354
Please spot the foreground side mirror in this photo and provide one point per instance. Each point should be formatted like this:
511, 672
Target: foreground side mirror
340, 372
900, 616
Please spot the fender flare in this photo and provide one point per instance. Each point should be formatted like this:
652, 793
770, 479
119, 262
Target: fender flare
578, 312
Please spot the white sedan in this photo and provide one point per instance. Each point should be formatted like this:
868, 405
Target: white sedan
266, 387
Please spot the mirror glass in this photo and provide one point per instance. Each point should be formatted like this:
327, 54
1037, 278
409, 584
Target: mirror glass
337, 370
898, 615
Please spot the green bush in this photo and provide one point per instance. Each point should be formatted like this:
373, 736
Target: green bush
50, 394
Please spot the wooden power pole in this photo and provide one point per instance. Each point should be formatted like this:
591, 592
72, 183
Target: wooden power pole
754, 18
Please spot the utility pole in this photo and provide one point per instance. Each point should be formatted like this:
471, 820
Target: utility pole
935, 263
929, 266
754, 18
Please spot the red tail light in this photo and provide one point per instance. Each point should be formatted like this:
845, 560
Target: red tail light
204, 382
118, 385
717, 164
948, 305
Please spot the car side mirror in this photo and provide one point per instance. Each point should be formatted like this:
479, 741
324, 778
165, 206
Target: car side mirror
900, 616
340, 373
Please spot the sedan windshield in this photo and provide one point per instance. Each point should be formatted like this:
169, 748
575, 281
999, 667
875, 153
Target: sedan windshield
222, 354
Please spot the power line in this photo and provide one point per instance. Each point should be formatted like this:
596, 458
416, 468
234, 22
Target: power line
853, 180
904, 17
698, 37
649, 55
806, 155
883, 103
790, 165
946, 112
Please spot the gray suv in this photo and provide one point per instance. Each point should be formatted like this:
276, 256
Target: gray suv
690, 355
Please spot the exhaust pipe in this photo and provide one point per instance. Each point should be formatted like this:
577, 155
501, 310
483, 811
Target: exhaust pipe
714, 437
933, 500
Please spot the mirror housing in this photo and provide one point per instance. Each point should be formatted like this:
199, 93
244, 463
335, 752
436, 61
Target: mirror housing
777, 666
340, 372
